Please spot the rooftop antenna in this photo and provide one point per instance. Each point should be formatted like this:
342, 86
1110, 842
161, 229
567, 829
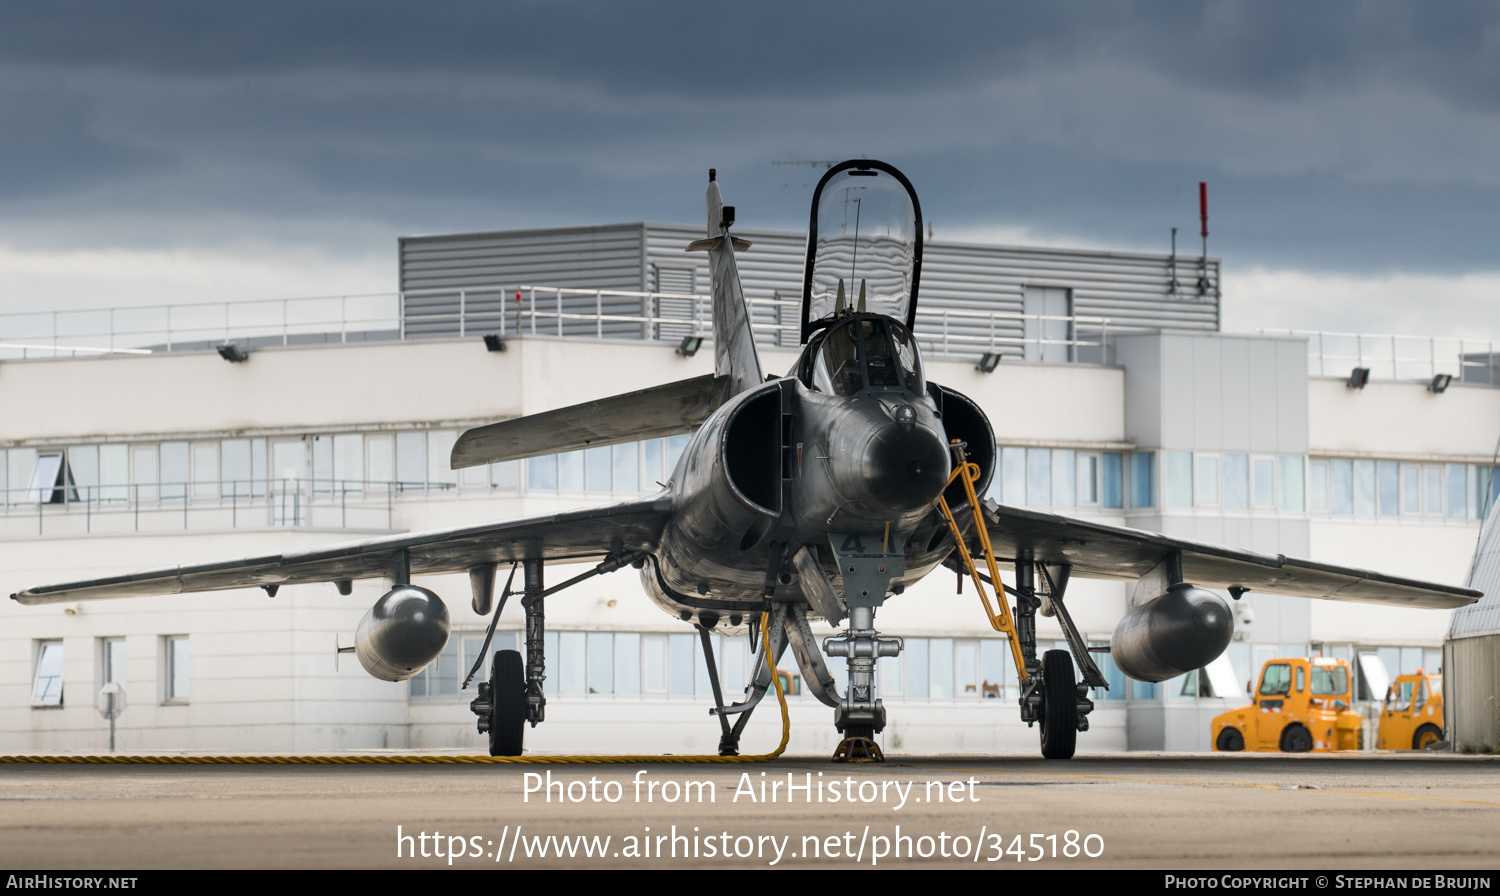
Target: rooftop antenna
1203, 216
1172, 265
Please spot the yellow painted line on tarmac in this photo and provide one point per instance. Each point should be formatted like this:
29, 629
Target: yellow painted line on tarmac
1388, 796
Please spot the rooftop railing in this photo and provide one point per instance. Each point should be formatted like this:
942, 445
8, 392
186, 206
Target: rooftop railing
510, 312
1391, 357
204, 504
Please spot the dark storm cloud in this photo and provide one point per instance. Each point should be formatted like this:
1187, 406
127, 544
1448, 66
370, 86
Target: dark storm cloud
1334, 135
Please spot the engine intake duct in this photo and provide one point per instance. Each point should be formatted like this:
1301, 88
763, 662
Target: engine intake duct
752, 450
1185, 629
963, 419
405, 630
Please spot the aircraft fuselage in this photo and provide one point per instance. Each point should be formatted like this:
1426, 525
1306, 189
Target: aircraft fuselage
788, 464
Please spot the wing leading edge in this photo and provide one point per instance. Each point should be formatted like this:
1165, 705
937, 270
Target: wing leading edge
574, 536
1095, 550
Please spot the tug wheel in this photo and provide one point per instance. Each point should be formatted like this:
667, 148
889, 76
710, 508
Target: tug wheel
1426, 736
1230, 741
1296, 739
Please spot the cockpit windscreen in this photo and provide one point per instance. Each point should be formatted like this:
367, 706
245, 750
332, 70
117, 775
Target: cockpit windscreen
864, 353
865, 245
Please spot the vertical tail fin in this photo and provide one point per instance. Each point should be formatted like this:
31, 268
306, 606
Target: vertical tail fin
734, 343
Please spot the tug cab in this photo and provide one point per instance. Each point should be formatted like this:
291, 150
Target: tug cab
1298, 706
1412, 717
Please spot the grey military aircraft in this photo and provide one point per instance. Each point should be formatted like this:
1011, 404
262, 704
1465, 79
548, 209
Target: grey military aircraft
819, 494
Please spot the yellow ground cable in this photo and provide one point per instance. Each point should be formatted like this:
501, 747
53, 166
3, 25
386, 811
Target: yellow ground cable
786, 734
1002, 622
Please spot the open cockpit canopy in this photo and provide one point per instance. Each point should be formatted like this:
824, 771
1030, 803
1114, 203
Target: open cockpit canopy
864, 245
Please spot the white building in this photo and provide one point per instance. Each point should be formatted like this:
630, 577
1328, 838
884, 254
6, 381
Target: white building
1117, 399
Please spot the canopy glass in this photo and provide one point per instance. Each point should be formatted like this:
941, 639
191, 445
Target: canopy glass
864, 249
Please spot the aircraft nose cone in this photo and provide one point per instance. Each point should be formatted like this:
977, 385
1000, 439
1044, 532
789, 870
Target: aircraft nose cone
905, 467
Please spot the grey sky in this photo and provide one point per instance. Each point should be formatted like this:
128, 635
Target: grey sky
1341, 141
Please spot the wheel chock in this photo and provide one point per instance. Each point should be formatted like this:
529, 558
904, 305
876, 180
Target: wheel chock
858, 749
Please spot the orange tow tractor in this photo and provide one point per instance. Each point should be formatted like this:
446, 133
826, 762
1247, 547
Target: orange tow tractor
1412, 718
1300, 706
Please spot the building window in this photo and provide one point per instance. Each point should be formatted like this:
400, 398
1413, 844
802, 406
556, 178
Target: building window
1064, 477
1208, 480
444, 675
1264, 492
1012, 478
114, 473
1236, 482
206, 470
174, 471
349, 462
916, 667
1142, 480
1112, 676
1088, 480
46, 681
1388, 487
1038, 477
572, 663
1364, 488
1112, 480
1289, 483
1179, 476
440, 444
596, 469
570, 471
411, 459
112, 661
1432, 476
505, 474
177, 662
1458, 504
1342, 477
541, 472
1317, 485
654, 664
1411, 489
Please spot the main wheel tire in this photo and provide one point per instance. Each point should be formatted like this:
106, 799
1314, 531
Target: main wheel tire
1059, 705
1425, 737
508, 702
1230, 740
1296, 739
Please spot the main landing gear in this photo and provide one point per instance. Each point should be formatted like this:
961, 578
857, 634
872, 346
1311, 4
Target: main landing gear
1049, 692
514, 697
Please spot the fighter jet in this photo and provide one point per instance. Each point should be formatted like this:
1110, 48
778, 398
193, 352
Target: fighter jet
820, 494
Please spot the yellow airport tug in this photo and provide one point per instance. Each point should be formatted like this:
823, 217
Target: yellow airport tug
1412, 718
1300, 706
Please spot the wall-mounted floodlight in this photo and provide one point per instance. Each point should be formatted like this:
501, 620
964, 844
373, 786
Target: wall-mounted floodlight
1440, 383
690, 346
233, 353
493, 343
1358, 377
988, 363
